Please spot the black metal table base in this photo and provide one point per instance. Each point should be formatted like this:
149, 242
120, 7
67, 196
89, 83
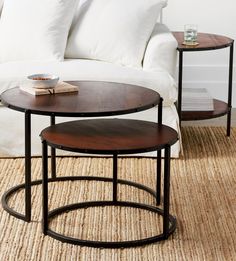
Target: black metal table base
6, 196
111, 244
123, 244
169, 222
28, 182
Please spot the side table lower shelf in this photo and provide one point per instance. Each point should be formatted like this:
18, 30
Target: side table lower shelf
220, 109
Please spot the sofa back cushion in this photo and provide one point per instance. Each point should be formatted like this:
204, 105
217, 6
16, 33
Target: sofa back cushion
35, 29
114, 31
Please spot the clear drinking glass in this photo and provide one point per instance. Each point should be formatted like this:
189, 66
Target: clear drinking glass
190, 34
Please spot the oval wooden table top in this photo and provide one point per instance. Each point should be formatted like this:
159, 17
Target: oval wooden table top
206, 42
92, 99
108, 136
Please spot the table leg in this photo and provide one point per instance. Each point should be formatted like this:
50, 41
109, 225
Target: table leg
45, 187
27, 185
114, 183
158, 185
160, 111
53, 153
166, 192
180, 80
27, 166
230, 82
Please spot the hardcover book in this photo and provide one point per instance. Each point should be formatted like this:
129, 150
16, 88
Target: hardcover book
196, 99
61, 87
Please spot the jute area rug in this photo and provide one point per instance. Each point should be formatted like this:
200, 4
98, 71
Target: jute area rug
203, 187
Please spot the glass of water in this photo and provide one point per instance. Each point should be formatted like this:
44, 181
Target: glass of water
190, 34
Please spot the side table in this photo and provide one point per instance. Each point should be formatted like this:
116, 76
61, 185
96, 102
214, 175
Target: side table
110, 137
206, 42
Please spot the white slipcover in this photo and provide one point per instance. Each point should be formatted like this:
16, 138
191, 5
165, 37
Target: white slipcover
155, 75
15, 73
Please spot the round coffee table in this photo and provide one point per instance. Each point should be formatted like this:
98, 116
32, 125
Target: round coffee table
93, 99
113, 137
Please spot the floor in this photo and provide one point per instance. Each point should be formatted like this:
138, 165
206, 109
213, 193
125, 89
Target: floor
221, 121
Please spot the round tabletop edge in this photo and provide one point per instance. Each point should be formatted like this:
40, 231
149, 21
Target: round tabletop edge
211, 44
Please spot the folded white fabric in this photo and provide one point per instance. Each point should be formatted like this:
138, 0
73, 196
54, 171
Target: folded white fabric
115, 31
35, 29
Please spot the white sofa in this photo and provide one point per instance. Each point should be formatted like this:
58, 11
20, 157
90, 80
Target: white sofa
157, 72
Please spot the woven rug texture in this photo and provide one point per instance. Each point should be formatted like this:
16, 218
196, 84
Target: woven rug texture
203, 199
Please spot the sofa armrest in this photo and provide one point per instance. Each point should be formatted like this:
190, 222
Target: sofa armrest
161, 50
1, 5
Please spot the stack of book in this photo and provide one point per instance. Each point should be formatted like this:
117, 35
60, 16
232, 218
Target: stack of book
61, 87
196, 99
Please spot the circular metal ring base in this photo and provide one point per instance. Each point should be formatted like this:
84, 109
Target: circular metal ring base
110, 244
14, 189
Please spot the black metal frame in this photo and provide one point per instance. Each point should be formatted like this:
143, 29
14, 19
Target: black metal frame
28, 182
27, 185
169, 221
230, 80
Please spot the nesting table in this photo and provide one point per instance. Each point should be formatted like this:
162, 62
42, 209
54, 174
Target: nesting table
125, 136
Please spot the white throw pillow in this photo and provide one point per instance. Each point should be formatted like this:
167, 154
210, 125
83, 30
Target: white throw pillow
114, 31
35, 29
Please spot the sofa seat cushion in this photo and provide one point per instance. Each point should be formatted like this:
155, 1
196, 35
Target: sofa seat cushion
15, 73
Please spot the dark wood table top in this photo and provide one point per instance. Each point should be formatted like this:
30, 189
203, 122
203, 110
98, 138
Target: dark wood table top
93, 99
206, 42
107, 136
